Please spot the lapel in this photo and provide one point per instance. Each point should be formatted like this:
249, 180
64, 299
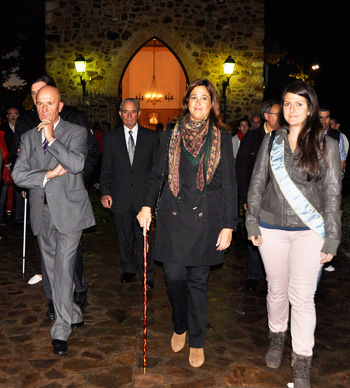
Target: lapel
120, 144
45, 157
139, 145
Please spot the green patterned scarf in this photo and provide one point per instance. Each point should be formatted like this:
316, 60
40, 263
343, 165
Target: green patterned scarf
201, 143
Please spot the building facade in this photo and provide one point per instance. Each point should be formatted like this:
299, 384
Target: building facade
201, 34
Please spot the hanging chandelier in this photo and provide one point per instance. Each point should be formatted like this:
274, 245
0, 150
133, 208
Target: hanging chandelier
153, 96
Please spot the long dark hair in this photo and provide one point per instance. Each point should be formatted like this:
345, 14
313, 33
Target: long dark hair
311, 143
215, 105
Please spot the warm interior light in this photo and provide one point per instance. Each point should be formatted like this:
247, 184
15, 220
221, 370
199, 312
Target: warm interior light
153, 119
80, 64
229, 65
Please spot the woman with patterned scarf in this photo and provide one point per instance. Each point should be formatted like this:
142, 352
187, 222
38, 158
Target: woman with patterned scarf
197, 210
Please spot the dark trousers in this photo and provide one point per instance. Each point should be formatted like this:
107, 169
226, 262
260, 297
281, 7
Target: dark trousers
253, 259
188, 290
129, 231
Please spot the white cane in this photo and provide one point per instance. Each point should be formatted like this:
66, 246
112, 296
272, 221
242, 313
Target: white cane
24, 238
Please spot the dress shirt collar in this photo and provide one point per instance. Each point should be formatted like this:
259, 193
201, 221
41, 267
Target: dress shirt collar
134, 132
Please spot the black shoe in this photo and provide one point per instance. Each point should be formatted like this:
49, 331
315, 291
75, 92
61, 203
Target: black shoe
60, 347
77, 325
50, 314
127, 277
251, 285
80, 298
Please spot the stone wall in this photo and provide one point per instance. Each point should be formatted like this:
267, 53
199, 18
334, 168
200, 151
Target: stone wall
201, 33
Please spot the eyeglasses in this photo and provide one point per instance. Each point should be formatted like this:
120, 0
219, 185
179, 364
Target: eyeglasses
13, 114
271, 113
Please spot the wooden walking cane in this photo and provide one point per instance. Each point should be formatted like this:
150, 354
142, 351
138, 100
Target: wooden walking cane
145, 250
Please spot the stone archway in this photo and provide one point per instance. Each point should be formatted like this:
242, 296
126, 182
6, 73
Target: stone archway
170, 76
124, 55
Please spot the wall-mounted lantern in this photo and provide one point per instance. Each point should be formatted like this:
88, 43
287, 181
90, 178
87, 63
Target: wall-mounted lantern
229, 66
80, 66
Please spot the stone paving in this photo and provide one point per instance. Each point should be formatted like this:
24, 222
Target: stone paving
108, 351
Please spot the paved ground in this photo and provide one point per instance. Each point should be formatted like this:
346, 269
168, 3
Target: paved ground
107, 351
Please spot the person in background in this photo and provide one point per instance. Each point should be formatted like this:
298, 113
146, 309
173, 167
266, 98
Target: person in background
335, 125
128, 156
197, 210
294, 218
243, 127
255, 121
325, 117
7, 189
245, 161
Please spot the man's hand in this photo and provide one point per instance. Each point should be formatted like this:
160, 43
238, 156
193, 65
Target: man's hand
57, 171
106, 201
47, 127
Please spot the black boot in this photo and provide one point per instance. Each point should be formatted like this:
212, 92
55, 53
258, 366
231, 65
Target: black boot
301, 366
273, 356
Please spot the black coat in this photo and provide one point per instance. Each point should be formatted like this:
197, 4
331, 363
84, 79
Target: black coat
246, 156
188, 225
123, 182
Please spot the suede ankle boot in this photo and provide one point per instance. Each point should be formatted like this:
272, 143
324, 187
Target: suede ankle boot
178, 341
273, 356
196, 358
301, 366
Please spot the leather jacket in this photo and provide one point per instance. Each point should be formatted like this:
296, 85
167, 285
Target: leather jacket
266, 202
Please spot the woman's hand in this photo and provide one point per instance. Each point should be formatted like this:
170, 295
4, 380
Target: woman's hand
224, 239
145, 218
326, 257
256, 240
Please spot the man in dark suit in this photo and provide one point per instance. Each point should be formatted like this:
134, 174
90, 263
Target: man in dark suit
128, 156
246, 156
50, 163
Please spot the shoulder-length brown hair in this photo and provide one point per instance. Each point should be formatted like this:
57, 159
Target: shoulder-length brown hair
215, 105
311, 142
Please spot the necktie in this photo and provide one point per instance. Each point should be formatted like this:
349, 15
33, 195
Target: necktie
131, 147
45, 143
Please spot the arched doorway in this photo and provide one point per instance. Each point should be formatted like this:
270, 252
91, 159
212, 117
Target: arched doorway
155, 61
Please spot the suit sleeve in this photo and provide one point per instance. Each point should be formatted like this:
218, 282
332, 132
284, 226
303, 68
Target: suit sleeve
257, 188
229, 183
106, 167
71, 155
23, 175
244, 168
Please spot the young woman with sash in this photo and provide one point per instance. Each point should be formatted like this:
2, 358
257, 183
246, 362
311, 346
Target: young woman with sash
197, 211
294, 218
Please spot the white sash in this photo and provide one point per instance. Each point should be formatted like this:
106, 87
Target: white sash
302, 207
